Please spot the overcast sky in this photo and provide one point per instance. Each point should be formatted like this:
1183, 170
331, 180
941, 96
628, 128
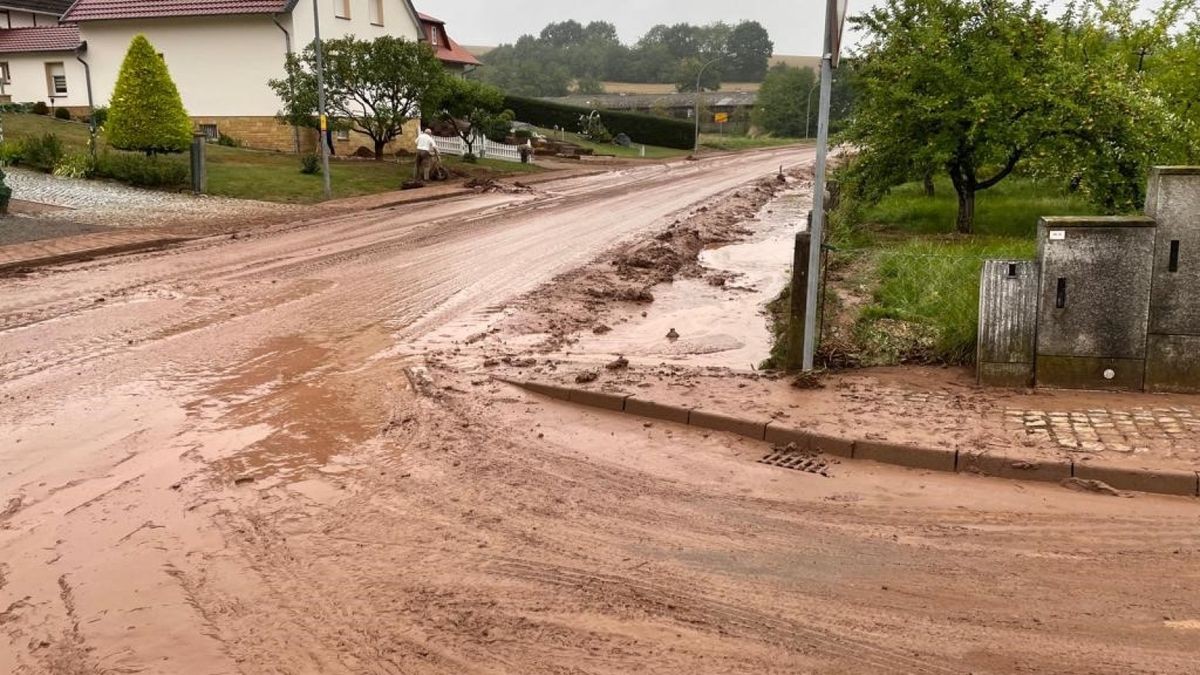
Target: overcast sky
795, 25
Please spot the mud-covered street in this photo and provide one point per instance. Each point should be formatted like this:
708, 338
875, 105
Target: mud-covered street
263, 453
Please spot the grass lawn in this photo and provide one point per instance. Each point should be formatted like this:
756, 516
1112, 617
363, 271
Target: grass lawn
271, 176
1011, 209
736, 143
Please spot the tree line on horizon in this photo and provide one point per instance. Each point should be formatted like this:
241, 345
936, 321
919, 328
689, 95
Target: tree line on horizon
569, 57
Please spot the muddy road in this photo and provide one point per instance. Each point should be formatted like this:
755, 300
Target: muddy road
260, 455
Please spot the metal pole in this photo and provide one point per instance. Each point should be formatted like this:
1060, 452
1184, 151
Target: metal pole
696, 150
323, 126
818, 221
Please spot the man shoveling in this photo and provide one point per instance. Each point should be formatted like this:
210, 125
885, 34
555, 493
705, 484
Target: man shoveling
426, 152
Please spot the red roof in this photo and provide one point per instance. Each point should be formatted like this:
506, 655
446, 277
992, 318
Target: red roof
42, 39
446, 48
102, 10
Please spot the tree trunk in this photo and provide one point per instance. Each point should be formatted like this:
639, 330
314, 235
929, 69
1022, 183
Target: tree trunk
379, 146
929, 188
966, 210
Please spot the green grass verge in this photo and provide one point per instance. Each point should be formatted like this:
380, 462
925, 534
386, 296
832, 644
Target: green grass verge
271, 176
738, 143
1011, 209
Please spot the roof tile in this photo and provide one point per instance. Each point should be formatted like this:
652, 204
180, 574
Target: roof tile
105, 10
42, 39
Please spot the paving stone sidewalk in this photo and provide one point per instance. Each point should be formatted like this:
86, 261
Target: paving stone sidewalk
115, 205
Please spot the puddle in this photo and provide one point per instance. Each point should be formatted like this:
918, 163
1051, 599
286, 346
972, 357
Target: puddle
722, 327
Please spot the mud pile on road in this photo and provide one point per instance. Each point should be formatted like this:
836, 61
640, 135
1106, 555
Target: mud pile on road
583, 298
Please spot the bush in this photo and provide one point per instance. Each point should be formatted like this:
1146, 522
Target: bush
144, 171
469, 158
147, 113
228, 141
78, 165
41, 152
16, 108
40, 108
10, 153
5, 194
669, 133
99, 116
63, 114
310, 164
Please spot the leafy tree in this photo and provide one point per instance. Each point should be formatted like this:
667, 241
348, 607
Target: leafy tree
783, 102
474, 108
976, 88
563, 34
589, 86
749, 48
146, 113
376, 86
685, 77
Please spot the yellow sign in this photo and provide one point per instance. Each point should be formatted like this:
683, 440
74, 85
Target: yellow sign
721, 118
324, 123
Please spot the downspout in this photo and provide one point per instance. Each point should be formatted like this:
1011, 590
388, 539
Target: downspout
87, 76
287, 38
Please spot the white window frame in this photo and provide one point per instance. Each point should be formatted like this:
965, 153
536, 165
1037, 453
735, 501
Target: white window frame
52, 80
341, 9
376, 11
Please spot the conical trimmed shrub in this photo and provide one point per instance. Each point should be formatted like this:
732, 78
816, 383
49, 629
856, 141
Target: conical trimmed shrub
146, 113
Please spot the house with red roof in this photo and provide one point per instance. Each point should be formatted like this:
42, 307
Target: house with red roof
221, 54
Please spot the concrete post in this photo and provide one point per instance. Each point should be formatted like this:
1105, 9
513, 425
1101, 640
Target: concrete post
199, 163
799, 304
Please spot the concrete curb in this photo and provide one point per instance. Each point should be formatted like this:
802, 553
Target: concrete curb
1154, 481
88, 254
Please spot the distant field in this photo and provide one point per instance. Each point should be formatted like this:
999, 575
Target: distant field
811, 62
642, 88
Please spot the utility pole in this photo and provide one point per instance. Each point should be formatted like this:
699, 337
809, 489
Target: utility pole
324, 119
699, 92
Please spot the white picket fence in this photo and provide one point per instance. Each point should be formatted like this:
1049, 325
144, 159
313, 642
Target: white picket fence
454, 146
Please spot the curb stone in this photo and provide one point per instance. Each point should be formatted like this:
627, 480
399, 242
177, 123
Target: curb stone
1164, 482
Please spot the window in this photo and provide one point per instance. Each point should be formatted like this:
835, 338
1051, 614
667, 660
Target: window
4, 76
341, 9
433, 35
6, 18
56, 80
210, 131
342, 134
376, 12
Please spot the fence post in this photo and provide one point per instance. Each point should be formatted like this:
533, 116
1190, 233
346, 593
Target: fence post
199, 165
799, 304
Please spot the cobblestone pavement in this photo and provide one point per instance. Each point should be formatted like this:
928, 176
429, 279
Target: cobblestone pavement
115, 205
1139, 430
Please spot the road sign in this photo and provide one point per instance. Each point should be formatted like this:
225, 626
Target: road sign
835, 15
721, 118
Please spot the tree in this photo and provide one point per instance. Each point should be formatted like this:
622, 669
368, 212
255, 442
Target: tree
783, 102
976, 88
375, 86
146, 113
749, 48
474, 108
686, 73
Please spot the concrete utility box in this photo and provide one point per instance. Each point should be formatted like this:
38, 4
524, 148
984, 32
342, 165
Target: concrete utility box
1173, 349
1094, 302
1008, 303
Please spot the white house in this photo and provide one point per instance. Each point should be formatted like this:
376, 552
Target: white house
221, 53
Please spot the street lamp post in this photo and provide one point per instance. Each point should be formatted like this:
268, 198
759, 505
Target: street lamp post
324, 119
808, 113
696, 149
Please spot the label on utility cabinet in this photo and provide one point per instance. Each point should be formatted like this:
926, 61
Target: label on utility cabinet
1058, 235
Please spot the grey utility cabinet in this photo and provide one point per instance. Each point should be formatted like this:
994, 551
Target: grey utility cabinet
1094, 302
1173, 349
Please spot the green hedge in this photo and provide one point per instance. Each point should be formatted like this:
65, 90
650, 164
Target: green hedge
644, 129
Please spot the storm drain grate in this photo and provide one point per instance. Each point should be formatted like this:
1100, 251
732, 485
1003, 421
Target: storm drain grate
797, 461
